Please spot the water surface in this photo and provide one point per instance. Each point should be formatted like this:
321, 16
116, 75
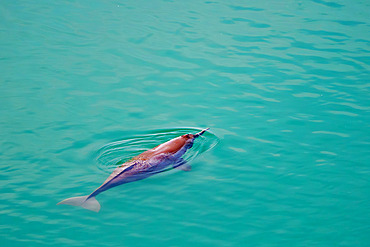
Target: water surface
283, 85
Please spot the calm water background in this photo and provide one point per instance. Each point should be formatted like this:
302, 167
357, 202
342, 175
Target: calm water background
284, 85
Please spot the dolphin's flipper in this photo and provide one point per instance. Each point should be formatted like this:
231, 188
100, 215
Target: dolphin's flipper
83, 201
182, 165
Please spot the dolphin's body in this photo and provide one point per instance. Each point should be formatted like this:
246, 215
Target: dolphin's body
146, 164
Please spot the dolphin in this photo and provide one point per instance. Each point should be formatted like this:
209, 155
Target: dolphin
144, 165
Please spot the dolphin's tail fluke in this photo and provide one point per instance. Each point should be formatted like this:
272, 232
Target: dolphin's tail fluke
83, 201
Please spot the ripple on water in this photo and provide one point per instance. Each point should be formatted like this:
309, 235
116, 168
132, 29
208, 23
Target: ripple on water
117, 152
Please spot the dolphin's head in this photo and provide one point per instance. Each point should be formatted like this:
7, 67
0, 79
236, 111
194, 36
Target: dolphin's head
189, 138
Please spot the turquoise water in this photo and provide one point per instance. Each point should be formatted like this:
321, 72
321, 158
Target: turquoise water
283, 85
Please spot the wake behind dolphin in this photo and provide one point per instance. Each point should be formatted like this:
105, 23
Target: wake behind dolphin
146, 164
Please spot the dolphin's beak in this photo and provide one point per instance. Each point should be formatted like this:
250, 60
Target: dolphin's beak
200, 133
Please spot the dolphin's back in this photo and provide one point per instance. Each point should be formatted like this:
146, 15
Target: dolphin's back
170, 147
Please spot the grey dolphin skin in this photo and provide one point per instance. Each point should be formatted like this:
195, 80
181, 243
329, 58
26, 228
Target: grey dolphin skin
144, 165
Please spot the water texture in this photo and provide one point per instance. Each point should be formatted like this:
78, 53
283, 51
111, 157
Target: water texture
283, 85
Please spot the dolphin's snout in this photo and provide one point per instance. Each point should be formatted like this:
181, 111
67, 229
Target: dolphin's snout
200, 133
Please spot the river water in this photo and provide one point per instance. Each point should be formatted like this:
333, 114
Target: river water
283, 85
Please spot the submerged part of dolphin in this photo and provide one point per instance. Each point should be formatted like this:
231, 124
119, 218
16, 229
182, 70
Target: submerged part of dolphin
150, 162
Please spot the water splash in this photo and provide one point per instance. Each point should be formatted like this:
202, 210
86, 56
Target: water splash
118, 152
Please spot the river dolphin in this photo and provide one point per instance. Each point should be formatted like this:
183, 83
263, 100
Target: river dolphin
144, 165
